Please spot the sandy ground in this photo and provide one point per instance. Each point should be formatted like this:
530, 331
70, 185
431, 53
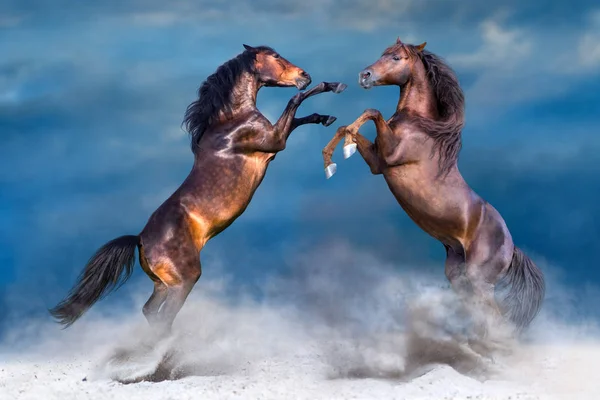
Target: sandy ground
289, 379
565, 373
324, 334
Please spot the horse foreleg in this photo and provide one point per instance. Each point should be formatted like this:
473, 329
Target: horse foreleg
331, 167
389, 144
366, 149
350, 144
283, 126
324, 120
355, 141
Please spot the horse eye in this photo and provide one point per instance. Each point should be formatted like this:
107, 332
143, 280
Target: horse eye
396, 58
275, 55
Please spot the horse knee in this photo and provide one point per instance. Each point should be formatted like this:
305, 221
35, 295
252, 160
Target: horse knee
297, 99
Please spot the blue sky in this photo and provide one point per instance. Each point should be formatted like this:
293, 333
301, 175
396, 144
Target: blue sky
92, 95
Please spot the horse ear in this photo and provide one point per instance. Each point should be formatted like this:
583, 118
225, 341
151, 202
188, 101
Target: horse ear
398, 41
420, 47
249, 48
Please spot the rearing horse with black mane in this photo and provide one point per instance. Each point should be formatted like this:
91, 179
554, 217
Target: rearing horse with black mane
416, 151
233, 144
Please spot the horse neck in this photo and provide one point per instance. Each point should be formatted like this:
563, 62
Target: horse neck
243, 99
417, 96
244, 94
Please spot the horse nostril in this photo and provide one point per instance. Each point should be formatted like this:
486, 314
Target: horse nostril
365, 74
304, 74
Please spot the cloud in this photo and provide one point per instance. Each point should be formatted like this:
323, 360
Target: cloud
504, 69
589, 43
346, 15
502, 48
10, 21
515, 66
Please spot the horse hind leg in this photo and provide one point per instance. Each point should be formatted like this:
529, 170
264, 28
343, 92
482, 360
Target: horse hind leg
493, 332
179, 278
455, 267
472, 280
159, 294
174, 274
156, 300
455, 271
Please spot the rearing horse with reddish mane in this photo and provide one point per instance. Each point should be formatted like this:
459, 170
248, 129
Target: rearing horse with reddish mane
233, 144
416, 151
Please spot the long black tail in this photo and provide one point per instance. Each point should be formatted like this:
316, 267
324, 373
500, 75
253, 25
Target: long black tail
520, 292
102, 275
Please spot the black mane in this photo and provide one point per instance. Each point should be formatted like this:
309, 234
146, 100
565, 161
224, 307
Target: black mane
446, 132
214, 95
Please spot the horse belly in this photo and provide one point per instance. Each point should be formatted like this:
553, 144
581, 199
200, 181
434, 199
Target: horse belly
210, 218
442, 227
231, 204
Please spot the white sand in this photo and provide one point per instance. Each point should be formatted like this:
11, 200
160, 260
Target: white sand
274, 380
566, 373
337, 338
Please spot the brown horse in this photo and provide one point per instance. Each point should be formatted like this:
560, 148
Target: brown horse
416, 151
233, 144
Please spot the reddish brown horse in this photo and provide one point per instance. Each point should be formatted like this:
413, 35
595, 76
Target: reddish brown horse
233, 144
416, 151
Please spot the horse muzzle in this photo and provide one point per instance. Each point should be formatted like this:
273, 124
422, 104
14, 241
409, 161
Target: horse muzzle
365, 79
303, 81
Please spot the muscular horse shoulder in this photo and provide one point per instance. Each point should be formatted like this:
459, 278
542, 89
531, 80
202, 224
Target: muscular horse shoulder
254, 121
400, 124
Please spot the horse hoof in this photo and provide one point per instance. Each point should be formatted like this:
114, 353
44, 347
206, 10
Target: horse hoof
330, 170
340, 88
349, 149
330, 120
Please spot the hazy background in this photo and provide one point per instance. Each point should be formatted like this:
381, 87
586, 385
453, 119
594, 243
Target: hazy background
92, 95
